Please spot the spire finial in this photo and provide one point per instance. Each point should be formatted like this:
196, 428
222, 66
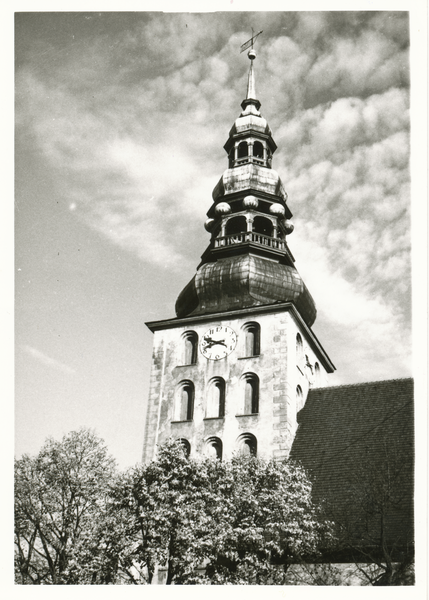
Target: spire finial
251, 91
249, 44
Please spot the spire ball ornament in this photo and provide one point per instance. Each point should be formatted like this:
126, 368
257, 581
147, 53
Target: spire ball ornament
250, 202
223, 208
208, 225
251, 54
277, 209
289, 226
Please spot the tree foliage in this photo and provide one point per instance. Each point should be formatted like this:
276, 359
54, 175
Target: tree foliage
245, 520
59, 494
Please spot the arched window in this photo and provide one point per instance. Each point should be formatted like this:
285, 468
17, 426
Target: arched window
185, 445
247, 444
263, 225
213, 448
242, 150
190, 347
299, 398
251, 339
184, 402
316, 373
216, 398
258, 150
250, 394
299, 349
236, 225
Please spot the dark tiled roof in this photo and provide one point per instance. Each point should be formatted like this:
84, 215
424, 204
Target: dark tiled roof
357, 443
243, 281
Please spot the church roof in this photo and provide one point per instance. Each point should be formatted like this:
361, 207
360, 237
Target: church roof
357, 443
243, 281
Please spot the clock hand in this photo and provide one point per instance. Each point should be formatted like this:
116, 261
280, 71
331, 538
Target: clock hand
211, 342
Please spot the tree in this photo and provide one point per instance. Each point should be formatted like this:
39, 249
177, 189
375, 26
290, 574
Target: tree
270, 523
59, 495
171, 507
245, 520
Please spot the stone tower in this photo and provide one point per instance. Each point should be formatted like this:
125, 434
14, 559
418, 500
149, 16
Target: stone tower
231, 371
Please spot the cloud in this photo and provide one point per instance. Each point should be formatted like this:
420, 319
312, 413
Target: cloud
348, 184
360, 328
134, 125
48, 361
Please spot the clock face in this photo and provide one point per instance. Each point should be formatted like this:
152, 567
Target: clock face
218, 342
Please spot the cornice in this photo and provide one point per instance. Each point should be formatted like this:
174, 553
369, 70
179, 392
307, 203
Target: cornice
310, 336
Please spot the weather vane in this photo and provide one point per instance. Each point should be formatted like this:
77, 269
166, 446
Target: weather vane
249, 43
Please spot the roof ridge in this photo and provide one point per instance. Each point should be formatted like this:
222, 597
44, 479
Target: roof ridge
361, 383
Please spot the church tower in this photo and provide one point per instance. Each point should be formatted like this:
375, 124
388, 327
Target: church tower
232, 370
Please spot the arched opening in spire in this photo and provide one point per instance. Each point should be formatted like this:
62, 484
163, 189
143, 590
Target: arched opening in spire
242, 150
258, 150
263, 226
236, 225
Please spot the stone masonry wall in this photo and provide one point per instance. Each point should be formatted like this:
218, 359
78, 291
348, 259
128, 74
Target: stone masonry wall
275, 424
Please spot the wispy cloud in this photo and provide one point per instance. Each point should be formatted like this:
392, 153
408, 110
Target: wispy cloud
48, 361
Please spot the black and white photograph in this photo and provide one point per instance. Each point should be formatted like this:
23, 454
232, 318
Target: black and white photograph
216, 219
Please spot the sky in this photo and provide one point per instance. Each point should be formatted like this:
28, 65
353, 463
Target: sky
120, 124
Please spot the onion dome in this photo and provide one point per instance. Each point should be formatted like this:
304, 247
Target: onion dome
244, 281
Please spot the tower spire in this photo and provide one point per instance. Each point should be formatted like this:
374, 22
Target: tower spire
250, 100
251, 90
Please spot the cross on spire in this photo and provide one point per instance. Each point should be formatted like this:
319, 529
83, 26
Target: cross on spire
250, 42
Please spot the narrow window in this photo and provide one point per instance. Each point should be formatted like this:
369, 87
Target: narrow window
258, 150
213, 448
247, 444
216, 398
251, 394
316, 373
251, 339
184, 407
242, 150
299, 349
299, 398
190, 339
